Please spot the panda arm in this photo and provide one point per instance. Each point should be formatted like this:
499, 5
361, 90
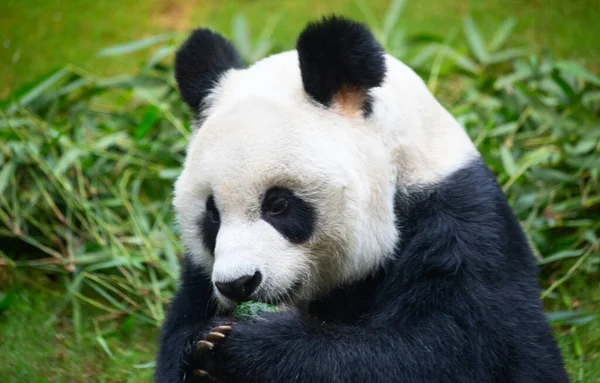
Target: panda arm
287, 347
191, 311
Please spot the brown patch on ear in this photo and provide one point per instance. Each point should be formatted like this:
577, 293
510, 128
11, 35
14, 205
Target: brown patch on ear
349, 101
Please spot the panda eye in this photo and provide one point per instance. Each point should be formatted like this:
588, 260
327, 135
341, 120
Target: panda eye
275, 206
289, 214
210, 224
213, 217
211, 211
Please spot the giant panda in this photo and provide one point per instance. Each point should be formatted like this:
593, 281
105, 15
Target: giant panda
329, 181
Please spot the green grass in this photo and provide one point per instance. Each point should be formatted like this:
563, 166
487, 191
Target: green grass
579, 340
37, 35
88, 158
35, 346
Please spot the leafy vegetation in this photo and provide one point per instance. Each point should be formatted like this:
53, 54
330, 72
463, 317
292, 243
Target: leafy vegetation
37, 35
253, 309
87, 165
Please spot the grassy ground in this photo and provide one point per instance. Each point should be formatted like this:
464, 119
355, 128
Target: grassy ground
87, 164
36, 345
38, 35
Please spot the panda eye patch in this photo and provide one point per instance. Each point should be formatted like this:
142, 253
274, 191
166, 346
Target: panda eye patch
210, 224
289, 214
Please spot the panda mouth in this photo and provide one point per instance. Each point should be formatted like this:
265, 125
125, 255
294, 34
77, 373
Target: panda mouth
288, 296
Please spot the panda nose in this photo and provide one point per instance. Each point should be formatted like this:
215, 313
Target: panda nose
241, 288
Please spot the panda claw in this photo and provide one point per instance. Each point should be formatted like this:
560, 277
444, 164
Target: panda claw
215, 336
221, 329
205, 352
201, 374
204, 344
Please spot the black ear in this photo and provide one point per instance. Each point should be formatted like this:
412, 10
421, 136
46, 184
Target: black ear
199, 64
339, 56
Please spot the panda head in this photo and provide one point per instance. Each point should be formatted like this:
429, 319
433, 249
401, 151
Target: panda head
289, 180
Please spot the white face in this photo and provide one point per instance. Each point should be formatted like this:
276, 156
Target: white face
250, 144
262, 132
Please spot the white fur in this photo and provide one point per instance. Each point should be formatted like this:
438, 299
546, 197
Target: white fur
262, 130
427, 141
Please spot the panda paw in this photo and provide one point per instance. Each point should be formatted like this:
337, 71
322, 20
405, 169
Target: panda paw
204, 353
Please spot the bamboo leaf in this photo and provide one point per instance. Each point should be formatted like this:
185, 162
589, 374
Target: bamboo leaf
133, 46
475, 40
41, 88
508, 161
391, 19
576, 70
6, 173
502, 34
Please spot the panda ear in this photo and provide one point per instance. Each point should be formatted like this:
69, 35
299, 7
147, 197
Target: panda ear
340, 60
199, 64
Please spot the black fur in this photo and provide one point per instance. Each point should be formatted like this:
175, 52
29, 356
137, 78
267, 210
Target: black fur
297, 222
189, 315
458, 303
199, 64
337, 53
210, 223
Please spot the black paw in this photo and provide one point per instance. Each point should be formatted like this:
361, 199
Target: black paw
204, 355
